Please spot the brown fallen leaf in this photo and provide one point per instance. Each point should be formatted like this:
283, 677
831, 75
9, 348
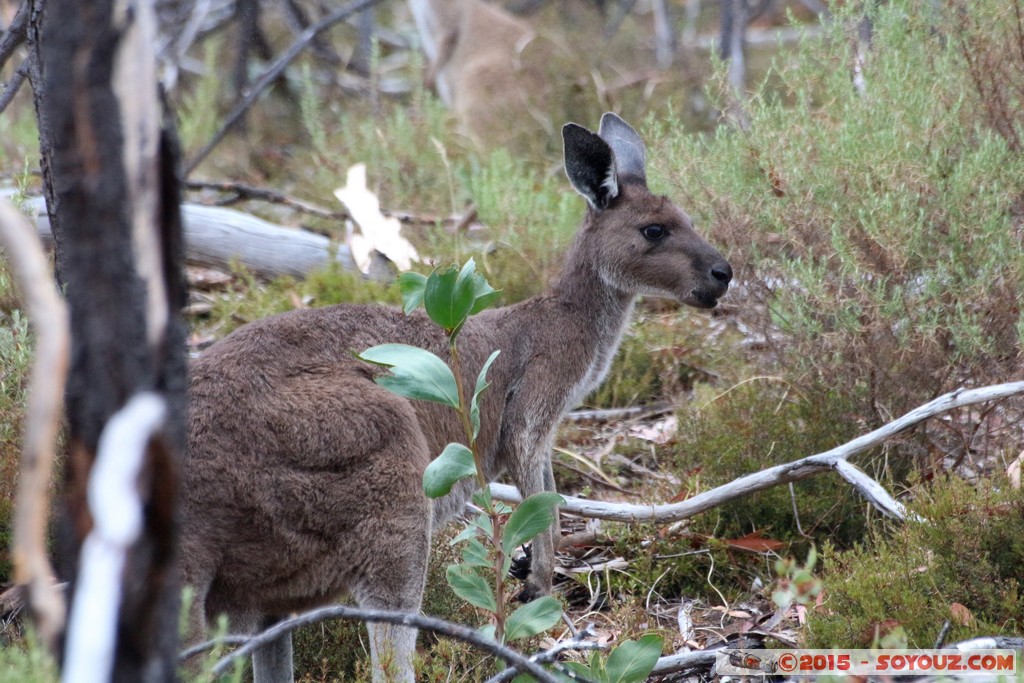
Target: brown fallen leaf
961, 615
877, 631
755, 543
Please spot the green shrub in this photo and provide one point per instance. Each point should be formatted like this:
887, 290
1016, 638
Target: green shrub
533, 217
27, 662
967, 550
877, 235
16, 347
764, 422
665, 354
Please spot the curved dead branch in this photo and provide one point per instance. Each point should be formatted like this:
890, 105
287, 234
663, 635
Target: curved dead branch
49, 318
15, 34
14, 85
271, 74
831, 460
440, 626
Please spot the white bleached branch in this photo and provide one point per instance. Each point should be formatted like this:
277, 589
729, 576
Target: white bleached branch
116, 508
834, 459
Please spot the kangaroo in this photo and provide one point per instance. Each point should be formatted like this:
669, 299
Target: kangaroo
302, 479
489, 67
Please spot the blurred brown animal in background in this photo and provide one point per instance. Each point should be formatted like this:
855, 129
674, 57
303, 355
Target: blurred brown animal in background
494, 71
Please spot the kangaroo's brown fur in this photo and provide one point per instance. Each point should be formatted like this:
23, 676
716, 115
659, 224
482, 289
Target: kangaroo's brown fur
492, 69
303, 477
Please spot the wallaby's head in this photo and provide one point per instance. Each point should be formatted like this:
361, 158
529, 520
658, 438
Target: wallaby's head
640, 243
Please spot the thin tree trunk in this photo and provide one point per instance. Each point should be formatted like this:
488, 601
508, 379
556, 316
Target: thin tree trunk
109, 158
362, 61
732, 47
664, 34
689, 37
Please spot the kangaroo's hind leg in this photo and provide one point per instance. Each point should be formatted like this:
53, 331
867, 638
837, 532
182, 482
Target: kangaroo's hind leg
392, 647
395, 525
272, 663
395, 582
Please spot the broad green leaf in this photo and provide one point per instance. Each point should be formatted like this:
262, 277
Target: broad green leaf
582, 673
481, 385
483, 294
448, 298
597, 666
411, 285
452, 295
471, 587
474, 554
468, 532
482, 498
415, 373
534, 515
633, 660
479, 525
485, 301
488, 630
454, 463
580, 670
533, 618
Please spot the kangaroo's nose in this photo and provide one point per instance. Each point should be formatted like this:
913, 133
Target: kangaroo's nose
722, 273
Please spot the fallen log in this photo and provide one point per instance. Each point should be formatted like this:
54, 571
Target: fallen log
219, 237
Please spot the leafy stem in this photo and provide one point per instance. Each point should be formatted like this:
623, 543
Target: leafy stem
450, 296
497, 550
464, 414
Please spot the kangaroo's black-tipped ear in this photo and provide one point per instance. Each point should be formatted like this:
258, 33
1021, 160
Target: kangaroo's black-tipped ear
590, 165
627, 146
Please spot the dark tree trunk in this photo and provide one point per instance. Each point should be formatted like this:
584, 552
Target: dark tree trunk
109, 158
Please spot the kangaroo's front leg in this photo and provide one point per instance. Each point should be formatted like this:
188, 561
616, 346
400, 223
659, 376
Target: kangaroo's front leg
532, 473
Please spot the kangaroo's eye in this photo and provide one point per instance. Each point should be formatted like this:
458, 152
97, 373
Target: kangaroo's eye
654, 232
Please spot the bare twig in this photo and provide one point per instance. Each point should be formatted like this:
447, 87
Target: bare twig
990, 643
241, 192
271, 74
610, 414
834, 459
176, 49
15, 33
467, 219
202, 647
49, 317
550, 655
690, 660
940, 640
446, 628
300, 22
14, 85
